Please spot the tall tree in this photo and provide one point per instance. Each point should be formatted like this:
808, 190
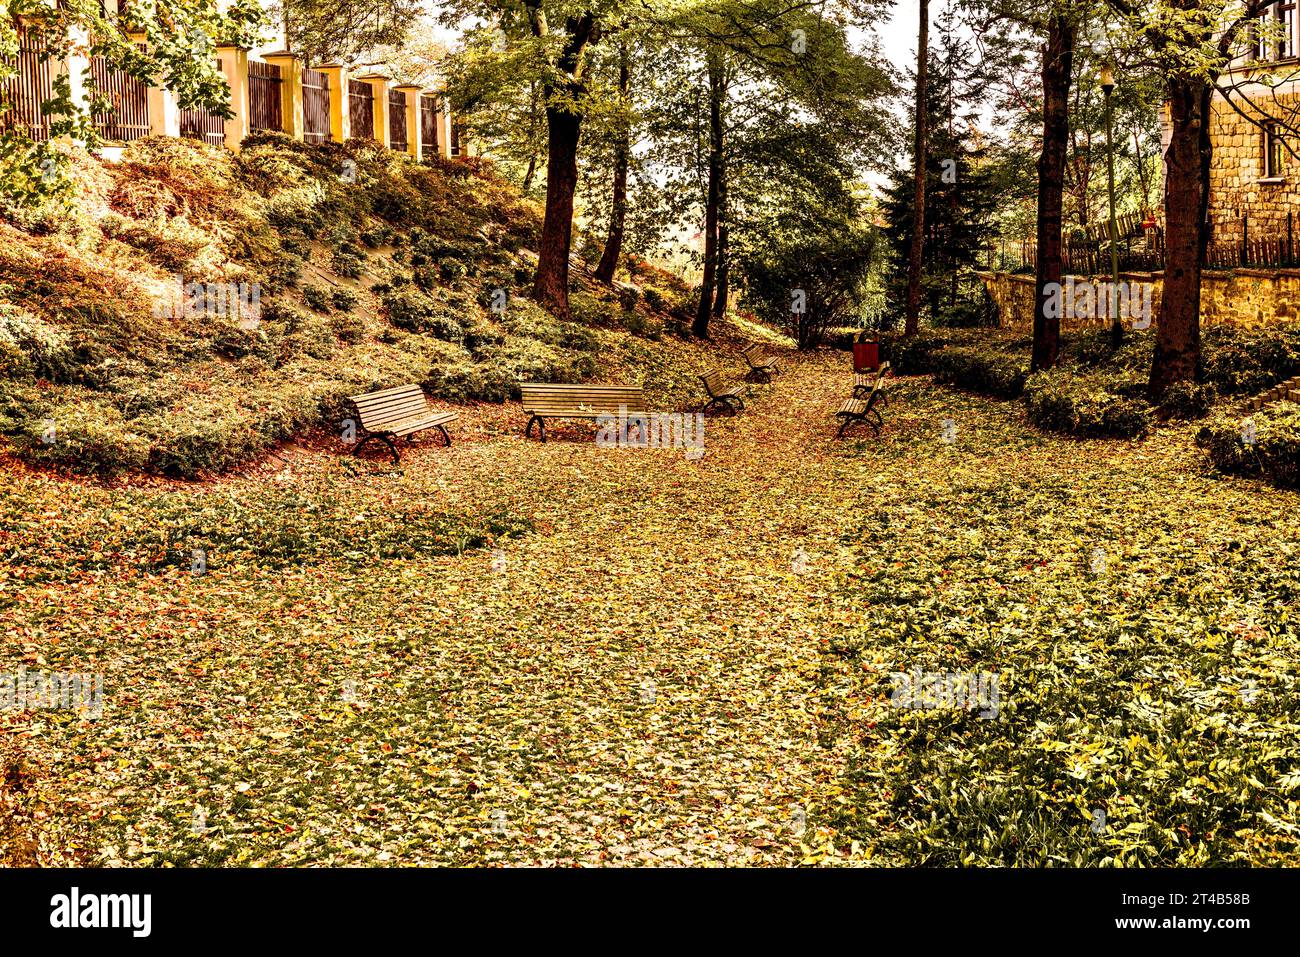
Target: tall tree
609, 257
916, 254
562, 90
1192, 43
713, 205
1058, 55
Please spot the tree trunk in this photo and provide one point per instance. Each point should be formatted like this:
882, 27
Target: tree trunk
551, 281
1058, 56
721, 289
618, 207
707, 282
1178, 331
563, 128
917, 250
530, 173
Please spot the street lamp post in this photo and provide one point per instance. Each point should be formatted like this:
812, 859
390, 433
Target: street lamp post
1116, 328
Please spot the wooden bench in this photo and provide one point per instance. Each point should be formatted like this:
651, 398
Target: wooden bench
561, 400
730, 398
855, 409
865, 382
397, 413
761, 365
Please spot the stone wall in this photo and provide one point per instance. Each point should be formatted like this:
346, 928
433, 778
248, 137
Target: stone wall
1243, 297
1237, 183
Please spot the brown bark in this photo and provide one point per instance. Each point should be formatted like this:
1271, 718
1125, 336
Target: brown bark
722, 290
704, 312
609, 258
1058, 56
563, 129
916, 251
1178, 331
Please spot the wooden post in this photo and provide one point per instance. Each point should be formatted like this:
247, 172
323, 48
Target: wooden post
340, 115
379, 87
234, 64
291, 109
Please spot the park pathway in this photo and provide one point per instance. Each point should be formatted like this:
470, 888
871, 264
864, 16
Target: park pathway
661, 635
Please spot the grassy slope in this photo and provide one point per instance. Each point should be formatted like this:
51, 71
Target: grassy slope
363, 285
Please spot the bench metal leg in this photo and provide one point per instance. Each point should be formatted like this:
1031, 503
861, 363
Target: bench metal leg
541, 428
721, 403
382, 438
445, 435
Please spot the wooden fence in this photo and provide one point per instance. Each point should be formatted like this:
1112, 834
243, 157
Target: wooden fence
361, 104
315, 106
397, 120
311, 110
428, 128
128, 98
198, 123
26, 90
264, 97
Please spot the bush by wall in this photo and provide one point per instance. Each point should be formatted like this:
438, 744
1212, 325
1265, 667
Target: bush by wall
1272, 451
1059, 400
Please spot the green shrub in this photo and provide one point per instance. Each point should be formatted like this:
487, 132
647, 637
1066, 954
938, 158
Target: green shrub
317, 298
1248, 361
980, 369
80, 435
344, 299
910, 355
591, 310
348, 327
1275, 452
31, 347
1188, 400
416, 311
1059, 401
639, 325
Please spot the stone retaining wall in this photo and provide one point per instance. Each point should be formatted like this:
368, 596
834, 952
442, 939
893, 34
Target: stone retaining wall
1244, 297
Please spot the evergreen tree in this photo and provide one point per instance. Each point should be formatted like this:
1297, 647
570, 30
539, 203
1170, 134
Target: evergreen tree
961, 196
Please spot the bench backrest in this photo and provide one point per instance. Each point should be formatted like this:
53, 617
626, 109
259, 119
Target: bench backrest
753, 353
541, 398
713, 381
378, 409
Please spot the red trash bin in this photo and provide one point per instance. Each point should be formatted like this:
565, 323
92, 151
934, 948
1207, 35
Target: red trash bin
866, 356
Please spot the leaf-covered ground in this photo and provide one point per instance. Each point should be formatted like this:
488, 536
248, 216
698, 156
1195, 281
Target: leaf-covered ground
656, 660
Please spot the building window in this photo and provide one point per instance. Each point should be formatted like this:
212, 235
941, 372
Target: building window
1275, 155
1276, 37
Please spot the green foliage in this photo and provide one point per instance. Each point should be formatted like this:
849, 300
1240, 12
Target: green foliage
416, 311
179, 52
1275, 452
981, 370
1140, 618
1248, 361
961, 195
809, 273
1058, 400
1188, 400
